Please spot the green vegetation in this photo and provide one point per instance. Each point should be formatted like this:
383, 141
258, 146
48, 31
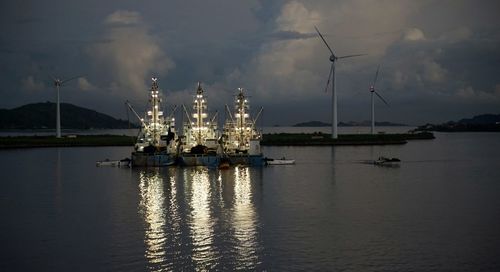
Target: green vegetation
51, 141
343, 139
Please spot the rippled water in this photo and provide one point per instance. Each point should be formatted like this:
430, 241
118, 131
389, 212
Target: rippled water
438, 211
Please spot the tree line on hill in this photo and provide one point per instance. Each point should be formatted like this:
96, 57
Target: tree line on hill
43, 116
483, 122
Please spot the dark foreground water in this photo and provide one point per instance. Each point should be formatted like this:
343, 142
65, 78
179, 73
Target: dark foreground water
438, 211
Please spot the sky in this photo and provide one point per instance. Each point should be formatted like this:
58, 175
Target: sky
439, 60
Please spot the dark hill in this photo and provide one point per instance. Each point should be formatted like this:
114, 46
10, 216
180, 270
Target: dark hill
484, 119
43, 115
484, 122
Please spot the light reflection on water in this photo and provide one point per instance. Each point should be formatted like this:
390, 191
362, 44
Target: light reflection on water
244, 220
201, 219
152, 207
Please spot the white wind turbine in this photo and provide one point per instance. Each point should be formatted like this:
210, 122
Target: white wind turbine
331, 76
374, 91
58, 84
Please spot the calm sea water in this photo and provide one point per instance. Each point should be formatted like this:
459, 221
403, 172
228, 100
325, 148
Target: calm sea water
332, 211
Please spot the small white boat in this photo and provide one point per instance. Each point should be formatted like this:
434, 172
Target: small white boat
281, 161
120, 163
387, 161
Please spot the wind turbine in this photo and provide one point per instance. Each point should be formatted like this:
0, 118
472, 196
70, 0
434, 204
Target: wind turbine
58, 84
374, 91
331, 76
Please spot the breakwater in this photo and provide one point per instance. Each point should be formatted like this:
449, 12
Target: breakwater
274, 139
315, 139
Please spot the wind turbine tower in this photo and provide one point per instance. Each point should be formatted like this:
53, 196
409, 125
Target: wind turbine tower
331, 76
374, 91
58, 84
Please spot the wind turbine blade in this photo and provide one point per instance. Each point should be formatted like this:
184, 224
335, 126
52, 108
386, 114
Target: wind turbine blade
329, 78
381, 98
71, 78
350, 56
376, 76
321, 36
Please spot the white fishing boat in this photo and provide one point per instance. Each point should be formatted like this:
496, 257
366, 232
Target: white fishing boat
199, 143
155, 145
240, 138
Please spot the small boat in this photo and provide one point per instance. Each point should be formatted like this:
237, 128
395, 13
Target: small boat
121, 163
281, 161
386, 161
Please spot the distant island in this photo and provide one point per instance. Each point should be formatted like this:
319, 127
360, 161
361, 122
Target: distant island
312, 124
347, 124
484, 122
43, 116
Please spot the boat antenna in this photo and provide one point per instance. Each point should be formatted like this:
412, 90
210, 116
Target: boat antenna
229, 113
135, 113
257, 116
215, 116
174, 109
187, 114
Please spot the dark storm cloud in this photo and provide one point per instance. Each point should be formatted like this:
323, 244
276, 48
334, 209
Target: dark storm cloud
441, 56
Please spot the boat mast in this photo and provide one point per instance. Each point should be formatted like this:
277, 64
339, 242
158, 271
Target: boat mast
200, 115
155, 113
241, 105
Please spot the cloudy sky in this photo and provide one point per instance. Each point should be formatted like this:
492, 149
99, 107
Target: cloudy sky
440, 60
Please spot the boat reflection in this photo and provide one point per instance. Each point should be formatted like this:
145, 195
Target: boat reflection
199, 219
152, 206
244, 220
159, 207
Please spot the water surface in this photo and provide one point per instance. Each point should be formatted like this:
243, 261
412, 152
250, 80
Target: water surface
438, 211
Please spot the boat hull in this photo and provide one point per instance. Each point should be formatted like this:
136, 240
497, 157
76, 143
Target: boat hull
199, 160
142, 159
215, 160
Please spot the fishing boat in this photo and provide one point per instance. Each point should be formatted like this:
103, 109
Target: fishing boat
155, 145
199, 144
241, 140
